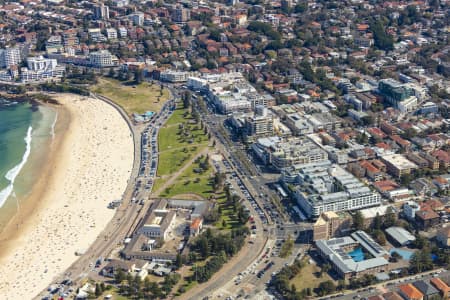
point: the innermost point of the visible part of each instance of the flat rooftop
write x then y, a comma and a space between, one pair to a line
399, 161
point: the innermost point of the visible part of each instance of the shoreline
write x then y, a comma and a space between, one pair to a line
89, 165
33, 202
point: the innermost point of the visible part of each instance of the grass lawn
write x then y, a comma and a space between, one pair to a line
171, 161
179, 140
171, 136
184, 285
191, 182
132, 98
178, 116
309, 277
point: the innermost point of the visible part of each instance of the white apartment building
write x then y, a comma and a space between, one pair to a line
10, 57
322, 186
111, 33
5, 75
174, 76
102, 58
261, 124
40, 68
96, 35
123, 32
285, 153
121, 3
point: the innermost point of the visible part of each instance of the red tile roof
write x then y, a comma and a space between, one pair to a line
411, 292
440, 285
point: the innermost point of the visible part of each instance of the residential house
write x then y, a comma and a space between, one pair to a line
426, 218
115, 265
410, 292
441, 183
443, 288
428, 291
392, 296
443, 236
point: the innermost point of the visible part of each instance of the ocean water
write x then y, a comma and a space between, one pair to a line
25, 135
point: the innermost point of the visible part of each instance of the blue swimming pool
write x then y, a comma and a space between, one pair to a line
406, 255
357, 255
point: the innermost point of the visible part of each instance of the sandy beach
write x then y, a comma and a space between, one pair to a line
90, 164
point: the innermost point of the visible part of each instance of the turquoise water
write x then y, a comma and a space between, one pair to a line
357, 254
24, 134
15, 121
406, 255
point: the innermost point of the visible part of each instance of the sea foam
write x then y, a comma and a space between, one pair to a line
12, 174
53, 125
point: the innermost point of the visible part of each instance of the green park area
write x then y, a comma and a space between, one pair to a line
194, 180
181, 140
310, 277
133, 98
185, 170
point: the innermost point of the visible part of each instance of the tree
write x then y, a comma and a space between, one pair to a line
377, 222
138, 76
358, 220
341, 285
421, 261
119, 276
368, 120
380, 237
111, 73
382, 40
395, 256
325, 269
390, 218
406, 179
325, 288
179, 261
186, 97
98, 291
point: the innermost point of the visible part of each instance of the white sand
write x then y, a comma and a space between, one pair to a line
91, 169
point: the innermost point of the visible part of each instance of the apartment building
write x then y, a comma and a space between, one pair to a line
322, 186
397, 165
102, 58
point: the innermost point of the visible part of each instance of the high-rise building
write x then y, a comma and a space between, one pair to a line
10, 57
181, 14
261, 124
137, 18
101, 12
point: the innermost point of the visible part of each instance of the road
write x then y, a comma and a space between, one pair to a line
128, 213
